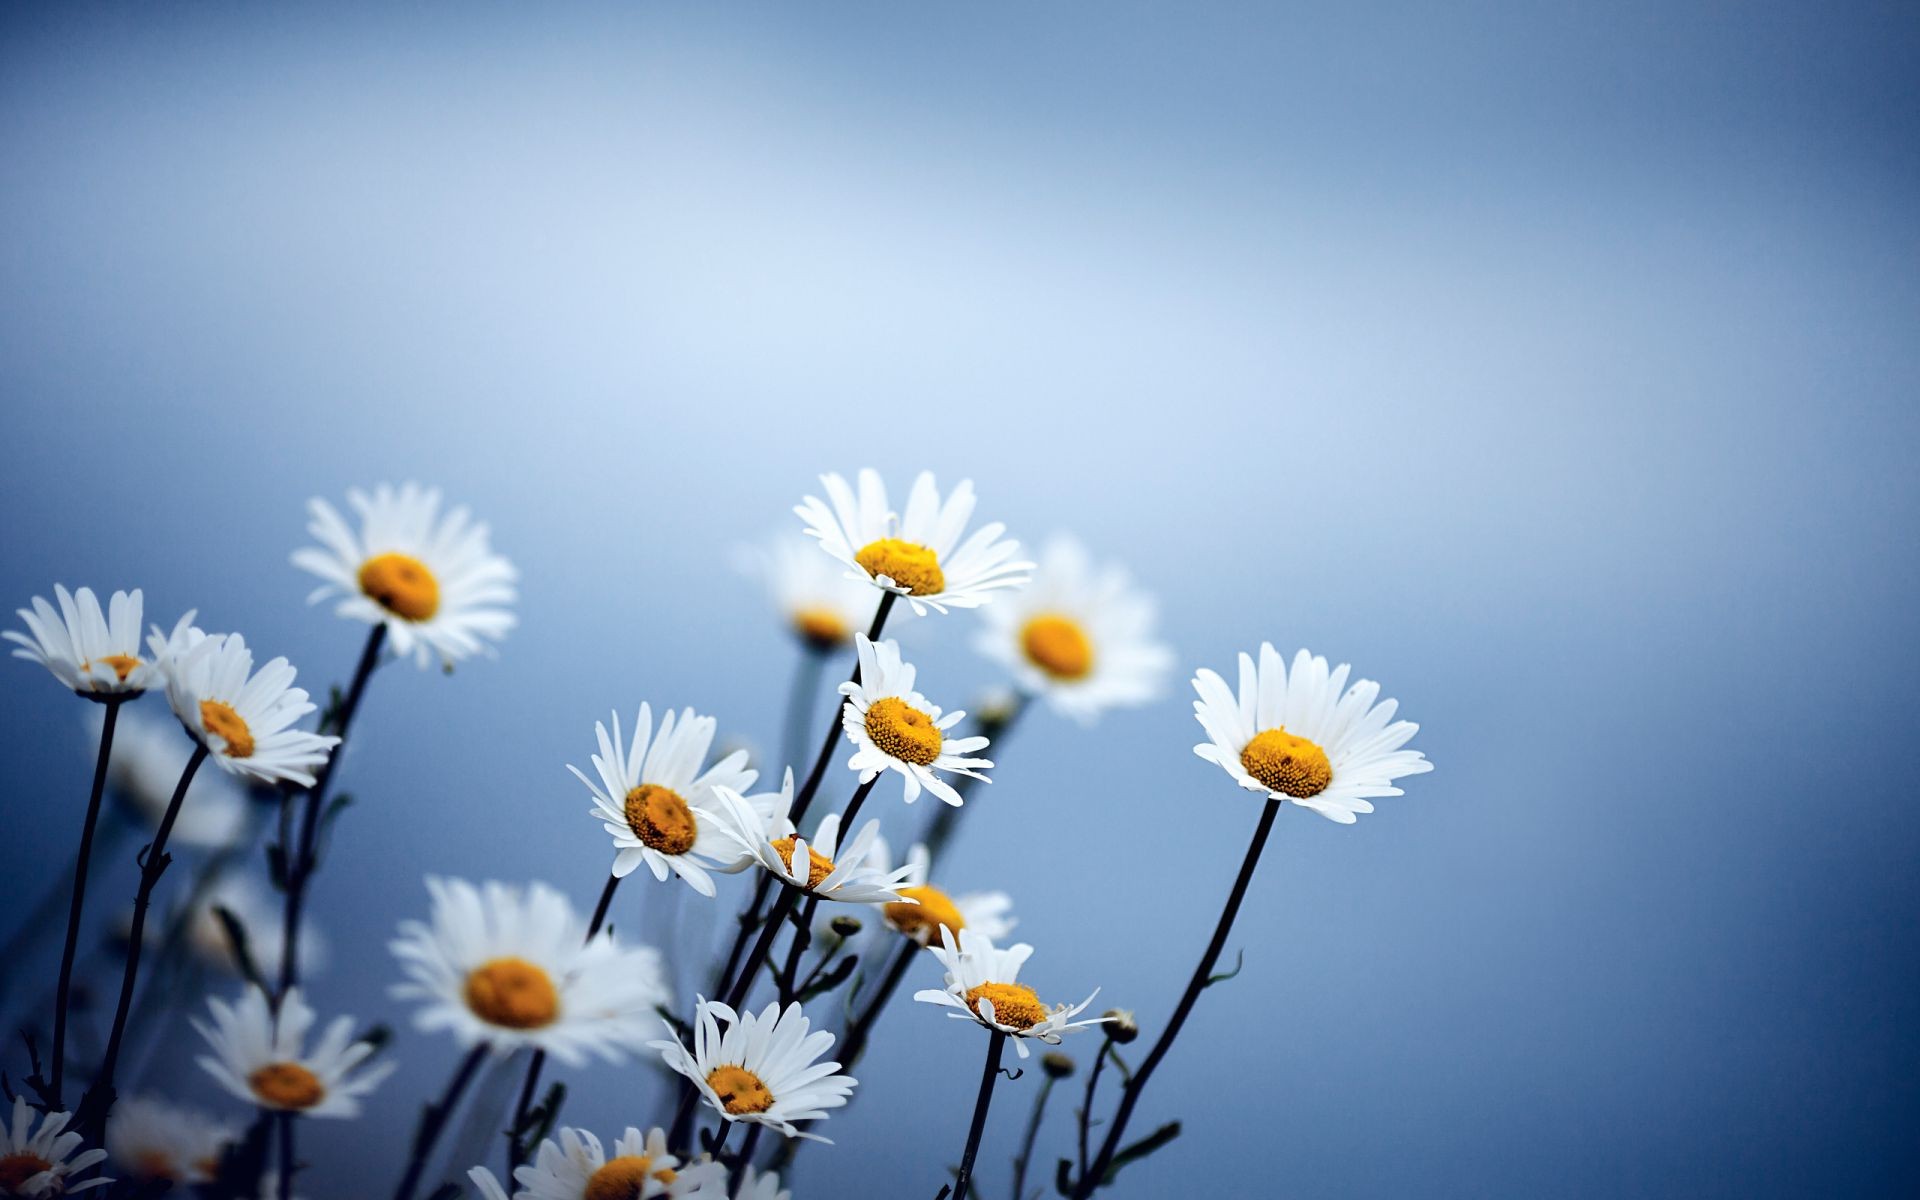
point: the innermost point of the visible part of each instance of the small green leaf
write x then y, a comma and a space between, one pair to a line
1140, 1149
1239, 961
242, 948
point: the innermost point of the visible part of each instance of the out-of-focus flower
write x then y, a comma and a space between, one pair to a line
986, 913
260, 1057
154, 1139
893, 727
983, 983
260, 918
93, 653
148, 756
573, 1165
817, 601
762, 1069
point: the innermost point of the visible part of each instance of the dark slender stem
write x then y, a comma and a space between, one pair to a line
803, 935
861, 1030
995, 1045
300, 863
286, 1156
600, 909
743, 984
1086, 1107
806, 681
720, 1137
64, 991
853, 810
1130, 1095
1026, 1144
434, 1120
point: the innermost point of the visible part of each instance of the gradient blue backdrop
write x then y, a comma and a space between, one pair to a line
1554, 364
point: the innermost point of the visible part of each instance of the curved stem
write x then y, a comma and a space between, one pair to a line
995, 1045
434, 1120
1130, 1095
1026, 1144
63, 994
1086, 1107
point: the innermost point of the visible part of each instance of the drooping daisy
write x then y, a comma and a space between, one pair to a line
851, 878
94, 654
814, 599
153, 1139
986, 913
260, 1057
762, 1069
574, 1166
148, 756
1304, 735
1079, 636
433, 580
895, 728
261, 919
244, 717
983, 983
35, 1163
658, 804
508, 966
918, 554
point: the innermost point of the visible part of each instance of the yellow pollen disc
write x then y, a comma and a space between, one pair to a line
122, 664
1288, 764
16, 1169
512, 992
912, 566
1057, 645
740, 1090
286, 1085
661, 819
922, 921
821, 628
219, 717
622, 1178
401, 584
1014, 1004
902, 731
819, 866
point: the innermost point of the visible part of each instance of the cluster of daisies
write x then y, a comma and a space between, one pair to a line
517, 971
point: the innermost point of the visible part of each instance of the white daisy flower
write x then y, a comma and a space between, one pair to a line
148, 756
762, 1069
658, 804
244, 717
894, 727
261, 918
574, 1166
1079, 636
89, 652
35, 1163
816, 600
983, 983
1299, 736
919, 555
259, 1057
774, 843
434, 581
758, 1186
510, 967
154, 1139
986, 913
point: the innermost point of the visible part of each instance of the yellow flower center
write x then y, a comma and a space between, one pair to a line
819, 866
624, 1178
912, 566
922, 921
1057, 645
286, 1085
514, 993
821, 628
401, 584
158, 1164
16, 1169
739, 1089
122, 664
661, 819
1288, 764
1014, 1004
902, 731
219, 717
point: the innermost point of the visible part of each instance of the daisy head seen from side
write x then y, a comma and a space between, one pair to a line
919, 554
895, 728
41, 1162
983, 983
574, 1165
819, 866
261, 1057
152, 1139
762, 1069
431, 578
243, 717
93, 653
1303, 735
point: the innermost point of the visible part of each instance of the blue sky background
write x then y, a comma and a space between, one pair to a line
1553, 364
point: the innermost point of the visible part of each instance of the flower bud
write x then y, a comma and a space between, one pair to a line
844, 926
1121, 1027
1057, 1065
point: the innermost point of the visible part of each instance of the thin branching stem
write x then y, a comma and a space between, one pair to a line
64, 990
434, 1119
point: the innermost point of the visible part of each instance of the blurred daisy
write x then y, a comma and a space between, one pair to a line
245, 718
576, 1167
816, 601
153, 1139
851, 878
260, 918
92, 653
1304, 735
36, 1163
433, 580
920, 554
1079, 636
762, 1069
983, 983
260, 1057
657, 803
510, 967
986, 913
148, 756
756, 1186
894, 728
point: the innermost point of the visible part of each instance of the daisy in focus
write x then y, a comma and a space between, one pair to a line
988, 914
93, 653
148, 757
36, 1163
918, 554
851, 878
152, 1139
510, 967
432, 579
893, 727
657, 803
815, 600
1304, 735
1079, 636
573, 1165
983, 983
243, 717
261, 1059
762, 1069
